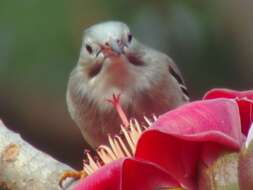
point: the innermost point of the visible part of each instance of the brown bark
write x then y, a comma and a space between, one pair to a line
23, 167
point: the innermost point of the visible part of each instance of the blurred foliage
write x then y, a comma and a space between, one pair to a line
210, 40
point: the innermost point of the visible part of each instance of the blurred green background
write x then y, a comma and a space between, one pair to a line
210, 40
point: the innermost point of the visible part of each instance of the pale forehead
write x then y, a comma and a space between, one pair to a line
103, 32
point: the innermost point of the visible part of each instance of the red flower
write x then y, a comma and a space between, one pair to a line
197, 132
128, 174
244, 100
169, 153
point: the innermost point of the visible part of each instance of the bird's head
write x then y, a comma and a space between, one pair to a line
114, 36
112, 61
109, 52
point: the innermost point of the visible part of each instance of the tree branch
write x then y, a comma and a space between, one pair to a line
23, 167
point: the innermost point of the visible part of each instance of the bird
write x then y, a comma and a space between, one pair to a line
113, 61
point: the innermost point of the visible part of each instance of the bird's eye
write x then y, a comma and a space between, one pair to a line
89, 49
129, 37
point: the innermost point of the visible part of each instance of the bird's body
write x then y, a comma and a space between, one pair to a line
113, 62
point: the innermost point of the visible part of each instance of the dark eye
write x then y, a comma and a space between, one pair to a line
129, 37
89, 49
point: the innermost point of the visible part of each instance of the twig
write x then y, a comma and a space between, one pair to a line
23, 167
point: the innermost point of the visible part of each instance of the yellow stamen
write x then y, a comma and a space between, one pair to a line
104, 157
107, 151
148, 121
128, 139
92, 163
117, 148
154, 118
120, 141
87, 168
135, 132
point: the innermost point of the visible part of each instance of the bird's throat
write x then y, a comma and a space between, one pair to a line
117, 71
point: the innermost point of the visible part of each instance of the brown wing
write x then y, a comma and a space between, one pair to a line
175, 72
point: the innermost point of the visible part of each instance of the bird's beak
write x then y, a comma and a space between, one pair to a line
117, 47
113, 49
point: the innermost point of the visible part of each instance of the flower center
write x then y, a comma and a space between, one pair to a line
120, 146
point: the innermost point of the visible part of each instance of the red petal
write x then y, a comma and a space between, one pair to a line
107, 177
140, 175
175, 141
227, 93
128, 174
246, 112
244, 100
